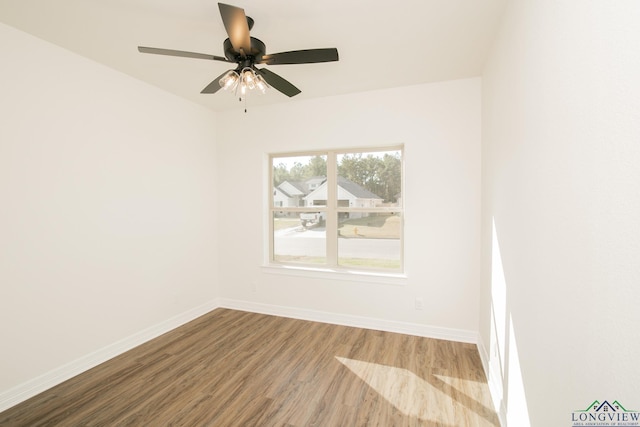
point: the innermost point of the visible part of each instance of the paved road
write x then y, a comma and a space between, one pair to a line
311, 242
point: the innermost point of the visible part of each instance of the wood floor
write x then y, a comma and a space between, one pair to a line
233, 368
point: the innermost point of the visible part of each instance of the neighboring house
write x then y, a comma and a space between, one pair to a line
290, 194
280, 198
293, 191
313, 192
350, 195
314, 182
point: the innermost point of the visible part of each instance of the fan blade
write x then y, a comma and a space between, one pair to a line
214, 86
235, 22
182, 53
278, 82
307, 56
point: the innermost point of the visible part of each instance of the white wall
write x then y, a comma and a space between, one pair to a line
108, 208
561, 182
439, 124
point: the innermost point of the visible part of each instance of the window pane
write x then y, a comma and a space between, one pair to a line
299, 238
369, 240
299, 181
366, 191
370, 179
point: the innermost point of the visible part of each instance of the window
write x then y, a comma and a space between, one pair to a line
337, 209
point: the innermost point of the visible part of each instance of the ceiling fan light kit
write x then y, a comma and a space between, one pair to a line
246, 51
247, 79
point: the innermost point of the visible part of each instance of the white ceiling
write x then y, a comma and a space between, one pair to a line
381, 44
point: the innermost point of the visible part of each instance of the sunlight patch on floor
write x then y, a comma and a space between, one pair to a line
414, 396
473, 387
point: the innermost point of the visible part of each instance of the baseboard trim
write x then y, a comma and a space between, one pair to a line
355, 321
56, 376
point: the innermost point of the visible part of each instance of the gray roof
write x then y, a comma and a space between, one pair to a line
356, 190
348, 185
319, 179
298, 185
282, 191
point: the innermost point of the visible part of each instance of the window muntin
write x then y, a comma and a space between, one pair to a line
342, 209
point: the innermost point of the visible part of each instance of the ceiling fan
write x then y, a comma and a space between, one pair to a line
246, 51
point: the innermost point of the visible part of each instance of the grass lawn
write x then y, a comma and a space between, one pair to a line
372, 227
281, 223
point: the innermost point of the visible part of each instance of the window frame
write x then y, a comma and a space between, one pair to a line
332, 210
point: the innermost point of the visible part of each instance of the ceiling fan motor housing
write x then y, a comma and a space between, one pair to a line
258, 49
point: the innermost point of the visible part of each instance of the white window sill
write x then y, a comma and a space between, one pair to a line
337, 274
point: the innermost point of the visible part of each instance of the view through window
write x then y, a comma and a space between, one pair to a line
337, 209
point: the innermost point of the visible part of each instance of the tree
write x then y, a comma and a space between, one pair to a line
280, 174
391, 176
317, 166
380, 175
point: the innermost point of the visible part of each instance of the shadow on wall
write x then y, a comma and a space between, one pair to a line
505, 375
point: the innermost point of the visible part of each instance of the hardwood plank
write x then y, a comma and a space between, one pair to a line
234, 368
